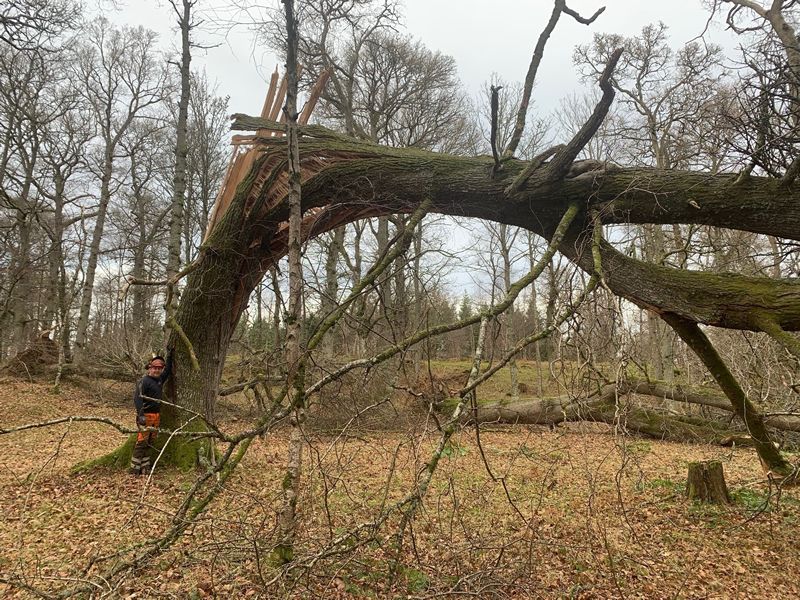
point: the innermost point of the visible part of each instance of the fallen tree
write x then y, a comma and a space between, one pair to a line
345, 179
607, 406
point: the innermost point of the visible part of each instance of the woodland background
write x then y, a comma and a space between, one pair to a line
112, 155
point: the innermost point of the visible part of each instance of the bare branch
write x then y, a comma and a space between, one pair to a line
538, 53
559, 166
495, 90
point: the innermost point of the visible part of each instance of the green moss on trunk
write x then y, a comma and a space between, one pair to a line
117, 459
180, 452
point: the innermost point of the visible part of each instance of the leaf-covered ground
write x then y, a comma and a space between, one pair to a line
527, 513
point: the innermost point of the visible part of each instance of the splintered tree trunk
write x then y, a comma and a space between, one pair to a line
706, 483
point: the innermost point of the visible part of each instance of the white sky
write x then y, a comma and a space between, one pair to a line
483, 36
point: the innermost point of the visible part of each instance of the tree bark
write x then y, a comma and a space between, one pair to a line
706, 483
295, 367
181, 148
551, 411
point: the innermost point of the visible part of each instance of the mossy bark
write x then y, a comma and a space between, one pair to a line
179, 452
745, 410
602, 409
120, 458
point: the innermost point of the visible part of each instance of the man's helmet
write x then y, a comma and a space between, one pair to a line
156, 361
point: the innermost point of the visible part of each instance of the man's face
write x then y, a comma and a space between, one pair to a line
155, 368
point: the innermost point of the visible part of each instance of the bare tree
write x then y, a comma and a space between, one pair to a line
663, 97
121, 80
183, 12
33, 24
206, 160
29, 104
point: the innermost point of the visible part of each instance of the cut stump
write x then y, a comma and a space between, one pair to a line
706, 483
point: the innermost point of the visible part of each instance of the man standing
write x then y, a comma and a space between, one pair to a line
147, 398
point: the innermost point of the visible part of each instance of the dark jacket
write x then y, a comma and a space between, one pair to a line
148, 391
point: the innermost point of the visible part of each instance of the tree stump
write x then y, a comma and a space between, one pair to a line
706, 483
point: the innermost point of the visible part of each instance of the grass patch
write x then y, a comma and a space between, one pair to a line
663, 484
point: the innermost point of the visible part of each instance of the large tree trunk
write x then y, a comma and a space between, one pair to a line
217, 290
21, 281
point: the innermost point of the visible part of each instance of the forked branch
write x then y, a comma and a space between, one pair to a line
538, 53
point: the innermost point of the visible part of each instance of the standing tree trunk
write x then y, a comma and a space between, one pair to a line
295, 370
184, 14
659, 339
334, 243
509, 327
706, 483
418, 316
533, 309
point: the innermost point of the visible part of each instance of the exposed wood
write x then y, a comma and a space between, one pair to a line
270, 97
242, 161
314, 95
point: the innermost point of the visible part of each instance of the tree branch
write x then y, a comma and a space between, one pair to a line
559, 166
495, 102
559, 6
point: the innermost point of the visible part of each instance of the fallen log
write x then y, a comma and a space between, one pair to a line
603, 407
702, 396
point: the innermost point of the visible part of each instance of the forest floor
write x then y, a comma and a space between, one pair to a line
577, 512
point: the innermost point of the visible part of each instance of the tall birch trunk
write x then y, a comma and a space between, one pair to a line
284, 551
181, 148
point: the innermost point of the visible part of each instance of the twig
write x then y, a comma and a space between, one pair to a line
160, 454
534, 337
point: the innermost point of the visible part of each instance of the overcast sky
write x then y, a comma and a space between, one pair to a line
484, 36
